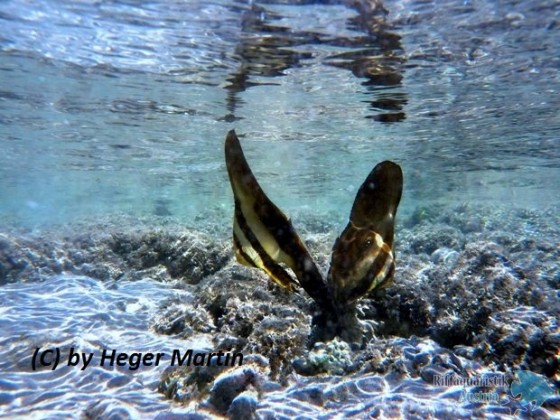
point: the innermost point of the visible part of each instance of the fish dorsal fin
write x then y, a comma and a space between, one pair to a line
263, 236
377, 200
362, 257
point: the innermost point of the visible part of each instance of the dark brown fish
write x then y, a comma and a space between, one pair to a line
263, 236
362, 257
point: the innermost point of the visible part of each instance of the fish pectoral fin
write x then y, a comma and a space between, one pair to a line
280, 276
263, 235
274, 271
244, 255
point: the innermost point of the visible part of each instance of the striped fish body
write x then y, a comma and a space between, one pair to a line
263, 236
362, 257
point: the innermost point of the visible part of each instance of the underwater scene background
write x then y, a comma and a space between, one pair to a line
116, 210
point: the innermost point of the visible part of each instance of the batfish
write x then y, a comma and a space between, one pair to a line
362, 256
263, 236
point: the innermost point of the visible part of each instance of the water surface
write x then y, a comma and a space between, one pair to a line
123, 107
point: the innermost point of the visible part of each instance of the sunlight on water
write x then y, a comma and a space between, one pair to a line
89, 316
134, 119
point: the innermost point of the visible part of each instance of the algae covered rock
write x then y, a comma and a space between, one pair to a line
479, 298
111, 253
219, 389
190, 256
333, 357
522, 337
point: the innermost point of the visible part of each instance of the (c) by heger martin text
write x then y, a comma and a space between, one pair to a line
55, 357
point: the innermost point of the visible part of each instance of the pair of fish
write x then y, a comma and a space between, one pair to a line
362, 256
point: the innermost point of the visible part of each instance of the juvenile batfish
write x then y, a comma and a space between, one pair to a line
263, 236
362, 257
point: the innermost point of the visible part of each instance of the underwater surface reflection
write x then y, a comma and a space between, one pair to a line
463, 95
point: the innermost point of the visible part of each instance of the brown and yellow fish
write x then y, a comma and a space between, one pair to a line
263, 236
362, 257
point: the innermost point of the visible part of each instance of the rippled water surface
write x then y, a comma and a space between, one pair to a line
123, 107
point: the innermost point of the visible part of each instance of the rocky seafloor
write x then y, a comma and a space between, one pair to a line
476, 295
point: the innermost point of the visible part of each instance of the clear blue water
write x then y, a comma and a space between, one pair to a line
123, 107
